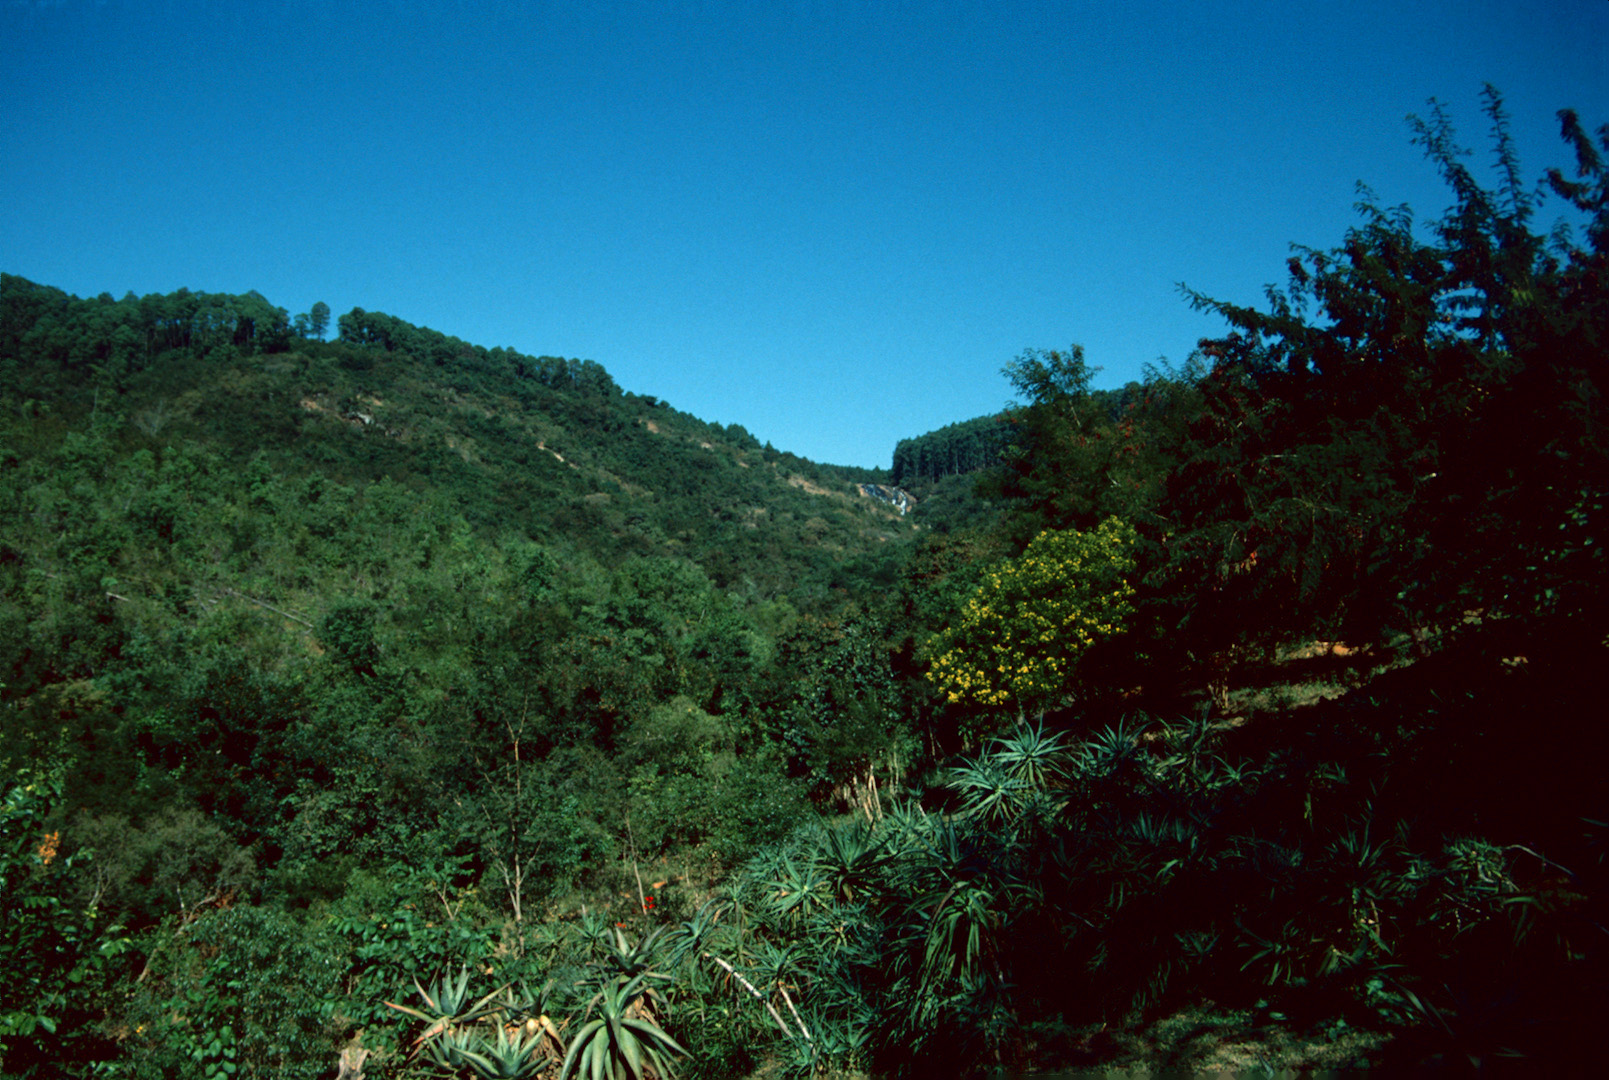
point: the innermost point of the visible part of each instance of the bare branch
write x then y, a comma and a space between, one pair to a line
761, 998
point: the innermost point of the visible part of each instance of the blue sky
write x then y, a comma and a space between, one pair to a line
831, 222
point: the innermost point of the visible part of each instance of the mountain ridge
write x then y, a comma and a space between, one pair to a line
546, 446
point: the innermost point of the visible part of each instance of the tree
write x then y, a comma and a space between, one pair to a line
319, 319
1076, 456
1414, 428
1054, 378
1018, 638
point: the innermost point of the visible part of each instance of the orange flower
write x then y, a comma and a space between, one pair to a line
49, 848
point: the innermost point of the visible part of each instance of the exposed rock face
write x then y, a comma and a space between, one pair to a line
898, 498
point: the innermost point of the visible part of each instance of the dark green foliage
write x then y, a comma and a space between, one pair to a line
537, 445
319, 320
1414, 428
288, 624
1077, 456
1076, 883
847, 728
167, 865
61, 955
347, 634
235, 991
950, 451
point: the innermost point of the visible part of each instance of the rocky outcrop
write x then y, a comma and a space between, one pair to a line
898, 498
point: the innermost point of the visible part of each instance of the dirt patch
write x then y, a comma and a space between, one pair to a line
1205, 1041
800, 482
1322, 648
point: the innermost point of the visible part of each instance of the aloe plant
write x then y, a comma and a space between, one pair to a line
453, 1049
522, 1041
620, 1041
797, 886
450, 1008
593, 931
851, 856
689, 936
515, 1054
990, 792
630, 961
1031, 756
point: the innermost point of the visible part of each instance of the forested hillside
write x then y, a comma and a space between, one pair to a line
973, 445
440, 710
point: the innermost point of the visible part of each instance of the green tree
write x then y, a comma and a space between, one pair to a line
348, 632
1076, 456
1415, 426
319, 319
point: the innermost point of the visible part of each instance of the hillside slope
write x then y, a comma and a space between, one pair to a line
548, 450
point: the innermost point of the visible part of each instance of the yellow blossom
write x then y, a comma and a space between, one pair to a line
1017, 636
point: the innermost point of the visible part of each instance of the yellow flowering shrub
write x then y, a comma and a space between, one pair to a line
1018, 636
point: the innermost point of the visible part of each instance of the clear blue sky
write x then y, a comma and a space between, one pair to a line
830, 222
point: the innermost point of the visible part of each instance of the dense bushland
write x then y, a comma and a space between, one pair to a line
456, 711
